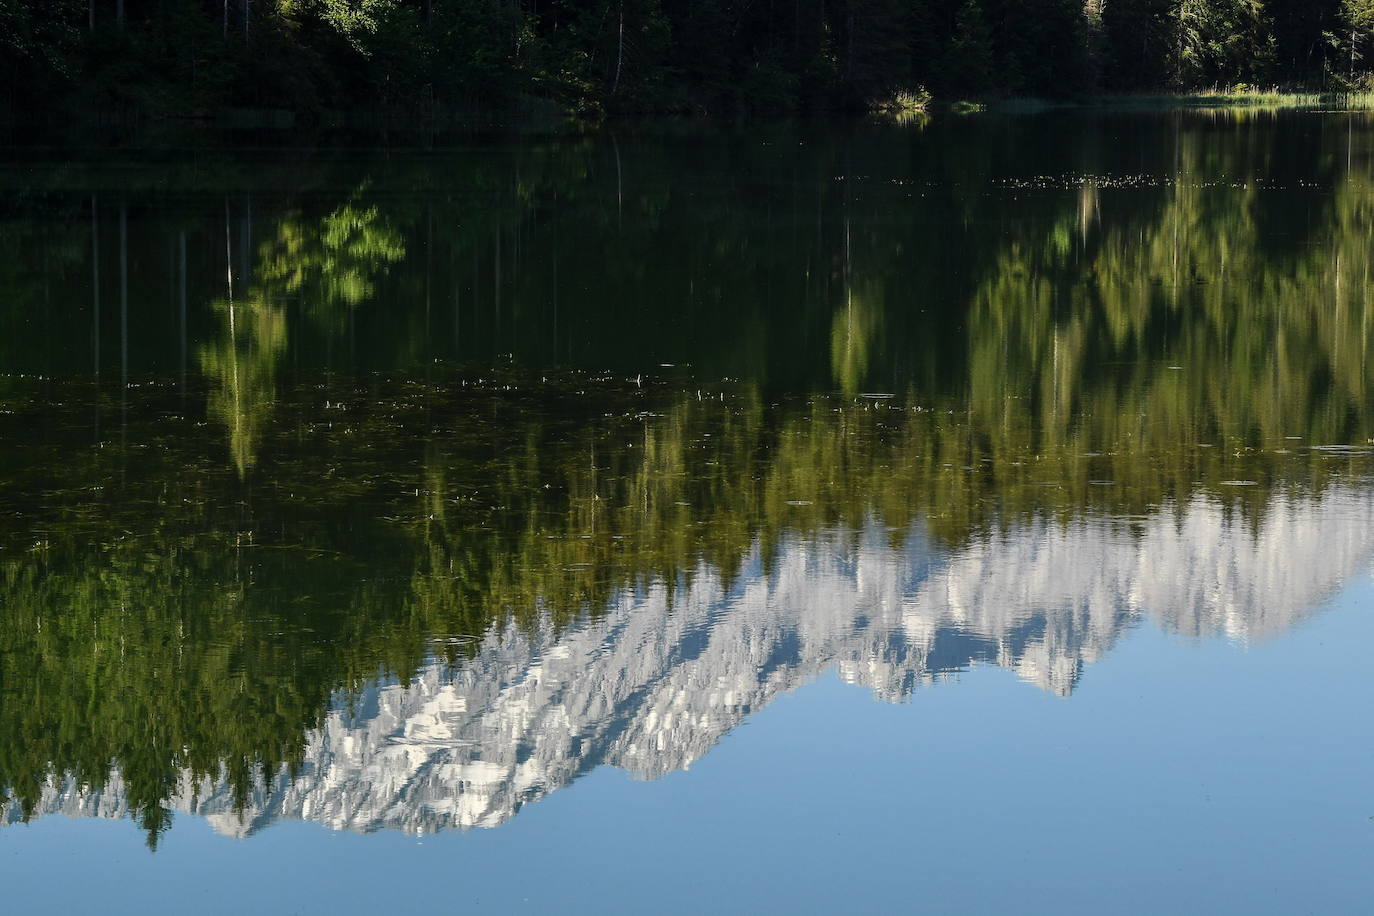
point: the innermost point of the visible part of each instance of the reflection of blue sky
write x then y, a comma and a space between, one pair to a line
1183, 774
652, 682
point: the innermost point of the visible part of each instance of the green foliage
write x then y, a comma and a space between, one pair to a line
876, 56
38, 42
1358, 15
1220, 42
653, 55
968, 63
467, 59
364, 24
1352, 39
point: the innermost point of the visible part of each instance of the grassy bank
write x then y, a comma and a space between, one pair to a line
1214, 99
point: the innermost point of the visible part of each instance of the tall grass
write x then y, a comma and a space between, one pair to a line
1243, 95
903, 104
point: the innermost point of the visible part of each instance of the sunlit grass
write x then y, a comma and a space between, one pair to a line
1243, 95
904, 106
904, 100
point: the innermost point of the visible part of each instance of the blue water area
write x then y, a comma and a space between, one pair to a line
1183, 774
964, 513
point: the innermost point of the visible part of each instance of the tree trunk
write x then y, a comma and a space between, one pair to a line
95, 280
849, 45
123, 295
95, 302
620, 50
619, 186
183, 312
228, 259
1092, 13
429, 284
245, 271
123, 321
496, 292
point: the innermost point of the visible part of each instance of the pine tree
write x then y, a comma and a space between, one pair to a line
876, 54
1357, 17
968, 66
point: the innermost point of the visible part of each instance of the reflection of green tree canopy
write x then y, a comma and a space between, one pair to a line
186, 622
1185, 326
332, 264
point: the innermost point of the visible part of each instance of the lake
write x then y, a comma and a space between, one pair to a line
967, 513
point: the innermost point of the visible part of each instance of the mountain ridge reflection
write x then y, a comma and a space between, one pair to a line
653, 682
300, 451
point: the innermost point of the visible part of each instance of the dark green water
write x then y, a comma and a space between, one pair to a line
398, 488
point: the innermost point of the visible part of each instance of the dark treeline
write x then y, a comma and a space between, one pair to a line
719, 56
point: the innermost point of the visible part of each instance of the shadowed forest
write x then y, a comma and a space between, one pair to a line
192, 57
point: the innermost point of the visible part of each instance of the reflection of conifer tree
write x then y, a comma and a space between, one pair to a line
853, 337
242, 364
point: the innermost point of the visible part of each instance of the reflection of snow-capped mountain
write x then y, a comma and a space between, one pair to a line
655, 681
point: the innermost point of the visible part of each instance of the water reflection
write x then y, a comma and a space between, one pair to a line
547, 588
655, 679
498, 468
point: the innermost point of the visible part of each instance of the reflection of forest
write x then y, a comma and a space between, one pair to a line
1063, 351
655, 679
164, 614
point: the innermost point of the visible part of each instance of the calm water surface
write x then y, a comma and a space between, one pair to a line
976, 513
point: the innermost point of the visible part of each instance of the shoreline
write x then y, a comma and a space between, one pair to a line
540, 116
